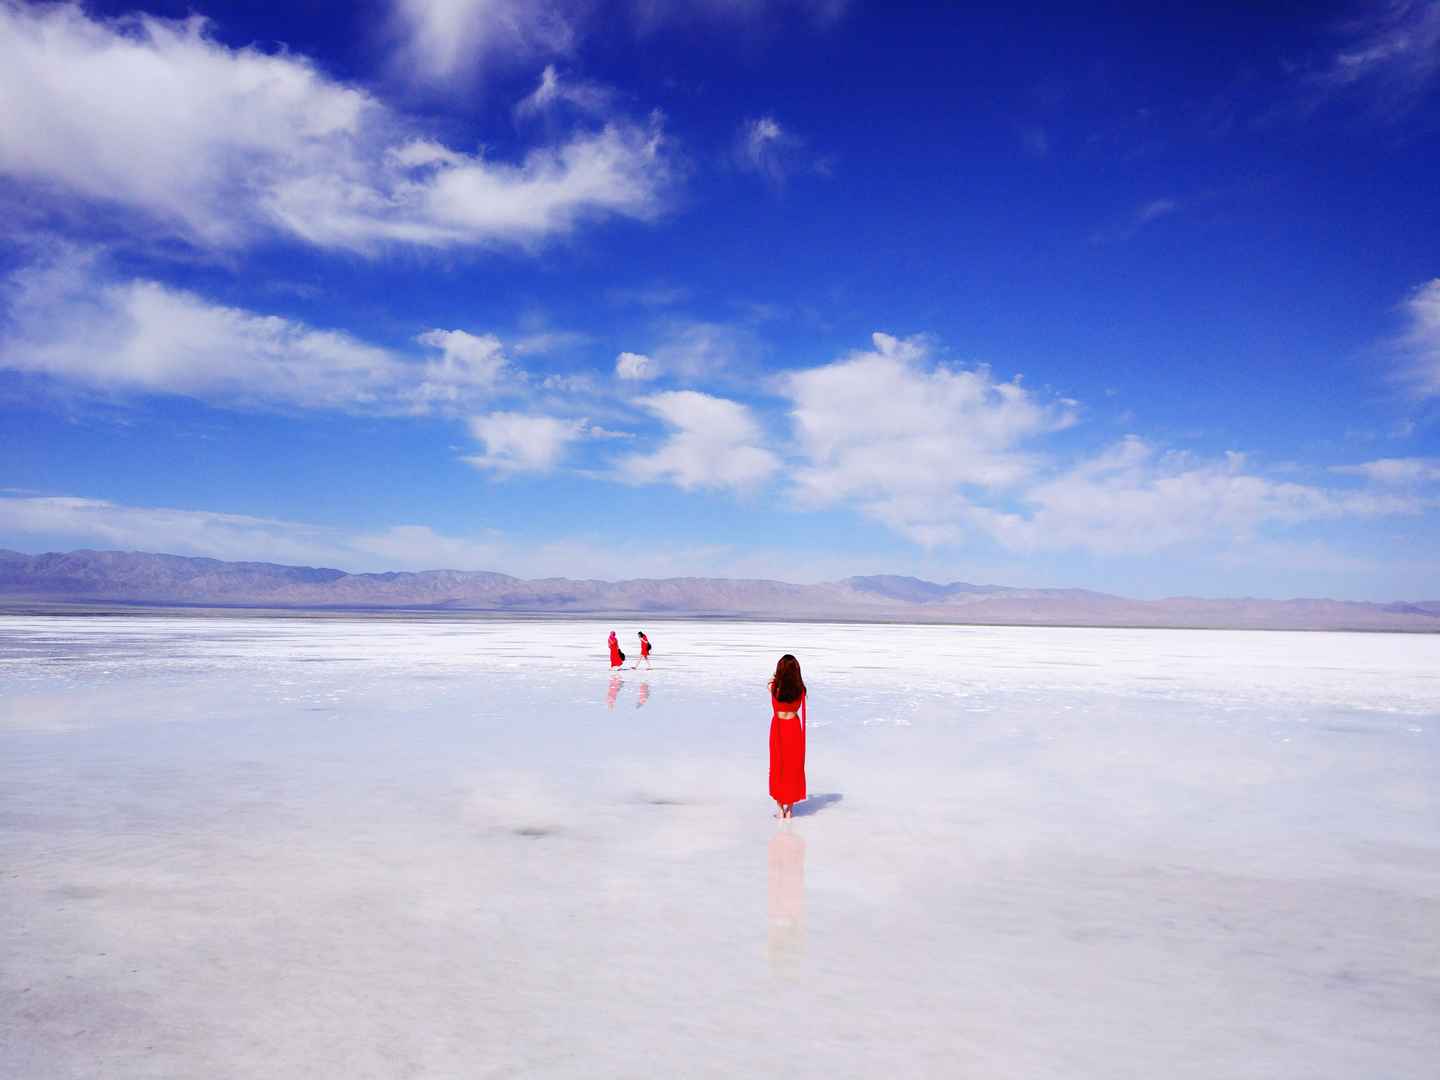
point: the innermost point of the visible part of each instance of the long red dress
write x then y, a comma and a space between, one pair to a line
787, 750
616, 656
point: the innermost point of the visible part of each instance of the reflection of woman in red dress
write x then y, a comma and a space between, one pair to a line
787, 901
787, 735
616, 656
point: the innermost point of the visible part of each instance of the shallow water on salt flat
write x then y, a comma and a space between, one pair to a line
443, 847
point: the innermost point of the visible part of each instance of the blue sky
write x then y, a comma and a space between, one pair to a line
1142, 301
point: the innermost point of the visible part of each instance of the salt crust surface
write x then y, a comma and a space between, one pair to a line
295, 848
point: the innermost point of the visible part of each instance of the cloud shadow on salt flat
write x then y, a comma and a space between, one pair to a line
815, 803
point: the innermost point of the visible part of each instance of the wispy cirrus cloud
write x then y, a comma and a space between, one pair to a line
1419, 346
1391, 51
1139, 218
102, 523
1134, 498
655, 295
1154, 210
652, 15
555, 91
1396, 472
224, 147
701, 349
764, 147
1034, 140
437, 42
545, 342
775, 152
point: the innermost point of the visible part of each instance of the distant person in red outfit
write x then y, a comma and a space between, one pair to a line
644, 650
617, 658
787, 735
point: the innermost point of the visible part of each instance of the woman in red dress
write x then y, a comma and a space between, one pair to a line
787, 735
617, 658
644, 650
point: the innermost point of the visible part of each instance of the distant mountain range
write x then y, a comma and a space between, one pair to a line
138, 578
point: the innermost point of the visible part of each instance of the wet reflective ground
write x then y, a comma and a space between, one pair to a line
436, 848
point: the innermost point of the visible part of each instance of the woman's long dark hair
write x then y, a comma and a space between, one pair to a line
789, 686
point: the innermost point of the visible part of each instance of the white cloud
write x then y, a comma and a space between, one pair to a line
1421, 343
714, 444
941, 455
68, 321
470, 366
466, 200
222, 146
629, 365
438, 42
1133, 498
898, 434
446, 40
521, 442
1395, 471
150, 113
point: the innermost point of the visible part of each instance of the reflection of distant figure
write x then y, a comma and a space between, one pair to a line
787, 902
643, 696
616, 682
616, 656
787, 735
644, 650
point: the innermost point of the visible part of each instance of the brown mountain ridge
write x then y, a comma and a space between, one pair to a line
142, 578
